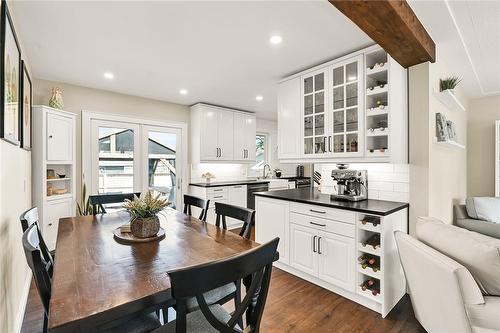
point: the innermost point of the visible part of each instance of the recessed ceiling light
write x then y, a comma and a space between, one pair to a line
183, 92
259, 98
276, 39
109, 75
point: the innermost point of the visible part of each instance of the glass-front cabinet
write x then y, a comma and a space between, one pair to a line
346, 108
332, 110
314, 113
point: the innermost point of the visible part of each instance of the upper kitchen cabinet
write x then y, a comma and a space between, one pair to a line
351, 109
289, 119
60, 131
221, 134
244, 137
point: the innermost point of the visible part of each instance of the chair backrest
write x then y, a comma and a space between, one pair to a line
191, 200
37, 264
239, 213
195, 281
98, 201
29, 218
439, 286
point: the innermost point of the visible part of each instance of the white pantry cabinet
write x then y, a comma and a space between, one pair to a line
53, 154
289, 119
221, 134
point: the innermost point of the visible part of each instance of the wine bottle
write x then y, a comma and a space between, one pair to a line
367, 284
365, 258
375, 292
373, 241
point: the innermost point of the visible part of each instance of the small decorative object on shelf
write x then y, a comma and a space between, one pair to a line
144, 210
208, 176
449, 83
442, 133
50, 190
61, 175
373, 241
51, 174
277, 172
56, 101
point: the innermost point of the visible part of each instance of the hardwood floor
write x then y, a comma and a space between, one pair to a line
295, 305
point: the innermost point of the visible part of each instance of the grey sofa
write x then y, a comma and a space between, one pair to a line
463, 220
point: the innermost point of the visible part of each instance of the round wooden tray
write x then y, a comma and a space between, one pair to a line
127, 237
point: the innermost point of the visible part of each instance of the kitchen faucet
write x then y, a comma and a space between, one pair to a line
264, 170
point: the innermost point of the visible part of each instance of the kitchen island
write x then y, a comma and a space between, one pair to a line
345, 247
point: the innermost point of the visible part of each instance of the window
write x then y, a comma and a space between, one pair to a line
260, 151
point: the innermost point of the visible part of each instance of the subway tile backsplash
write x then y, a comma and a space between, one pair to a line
385, 181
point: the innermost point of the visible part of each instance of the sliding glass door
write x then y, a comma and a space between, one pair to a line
131, 157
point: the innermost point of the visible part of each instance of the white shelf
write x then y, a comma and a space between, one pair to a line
377, 153
448, 99
376, 90
377, 132
59, 196
367, 293
368, 271
449, 143
376, 112
369, 249
377, 69
369, 227
57, 179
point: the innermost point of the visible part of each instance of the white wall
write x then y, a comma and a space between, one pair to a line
15, 197
481, 145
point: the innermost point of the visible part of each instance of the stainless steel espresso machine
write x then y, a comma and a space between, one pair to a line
350, 185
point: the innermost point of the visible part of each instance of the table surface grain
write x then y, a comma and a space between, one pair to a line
97, 280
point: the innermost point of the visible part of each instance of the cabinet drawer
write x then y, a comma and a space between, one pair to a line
324, 212
216, 191
339, 228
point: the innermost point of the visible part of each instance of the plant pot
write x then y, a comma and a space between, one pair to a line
145, 227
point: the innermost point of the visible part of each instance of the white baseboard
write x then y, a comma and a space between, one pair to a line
23, 302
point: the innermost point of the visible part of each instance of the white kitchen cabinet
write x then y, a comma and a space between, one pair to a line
336, 260
289, 119
221, 134
59, 137
53, 152
271, 221
303, 249
237, 195
244, 137
351, 109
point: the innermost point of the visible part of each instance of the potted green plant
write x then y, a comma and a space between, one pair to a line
449, 83
144, 212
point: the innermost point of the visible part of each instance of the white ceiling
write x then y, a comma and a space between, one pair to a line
467, 35
218, 51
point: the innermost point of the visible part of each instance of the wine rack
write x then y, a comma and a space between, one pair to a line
370, 259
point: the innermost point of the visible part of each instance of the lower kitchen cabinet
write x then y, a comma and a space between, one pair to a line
55, 209
271, 221
336, 256
303, 249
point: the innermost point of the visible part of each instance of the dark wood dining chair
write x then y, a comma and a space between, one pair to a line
43, 281
196, 281
29, 218
247, 216
99, 200
191, 200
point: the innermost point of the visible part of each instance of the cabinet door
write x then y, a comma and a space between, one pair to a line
240, 137
56, 209
250, 132
337, 260
225, 136
271, 221
315, 118
209, 129
237, 195
302, 249
289, 119
59, 138
346, 108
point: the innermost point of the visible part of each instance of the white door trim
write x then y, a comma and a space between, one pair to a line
88, 116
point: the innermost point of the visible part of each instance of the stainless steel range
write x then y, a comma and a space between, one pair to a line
350, 185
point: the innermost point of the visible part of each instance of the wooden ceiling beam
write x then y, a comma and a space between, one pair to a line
394, 26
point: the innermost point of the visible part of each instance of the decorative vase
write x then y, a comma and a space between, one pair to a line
56, 101
145, 227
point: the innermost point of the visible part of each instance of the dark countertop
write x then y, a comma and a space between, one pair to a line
230, 183
314, 197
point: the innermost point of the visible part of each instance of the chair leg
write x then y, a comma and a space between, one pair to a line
164, 311
45, 323
237, 302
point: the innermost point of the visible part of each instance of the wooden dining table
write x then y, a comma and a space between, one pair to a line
98, 280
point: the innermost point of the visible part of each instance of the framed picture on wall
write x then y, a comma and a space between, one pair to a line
26, 108
10, 72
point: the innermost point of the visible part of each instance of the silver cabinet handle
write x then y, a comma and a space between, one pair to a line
219, 197
314, 243
318, 224
220, 152
218, 189
317, 211
236, 186
330, 143
319, 246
